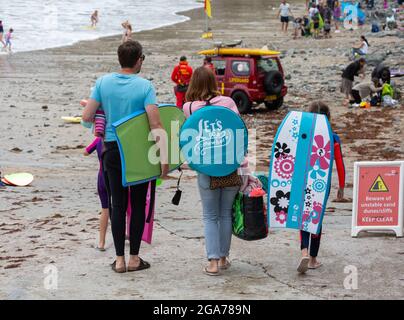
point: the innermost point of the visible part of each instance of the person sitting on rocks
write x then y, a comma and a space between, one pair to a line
361, 49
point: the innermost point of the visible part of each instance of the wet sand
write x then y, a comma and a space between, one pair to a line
54, 221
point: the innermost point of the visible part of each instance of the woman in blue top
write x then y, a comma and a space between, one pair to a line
119, 95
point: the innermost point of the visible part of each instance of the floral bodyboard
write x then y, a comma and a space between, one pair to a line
300, 172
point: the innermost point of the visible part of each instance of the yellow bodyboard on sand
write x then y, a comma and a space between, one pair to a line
71, 119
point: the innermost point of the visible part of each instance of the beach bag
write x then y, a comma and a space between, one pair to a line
249, 218
374, 100
387, 90
375, 28
388, 101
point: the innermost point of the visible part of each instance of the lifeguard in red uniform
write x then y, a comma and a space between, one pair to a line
181, 75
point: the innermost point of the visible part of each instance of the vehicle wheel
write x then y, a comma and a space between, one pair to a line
274, 105
242, 101
273, 82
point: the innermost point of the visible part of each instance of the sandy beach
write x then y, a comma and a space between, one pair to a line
54, 222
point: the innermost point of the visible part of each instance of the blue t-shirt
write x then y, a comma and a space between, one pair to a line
121, 95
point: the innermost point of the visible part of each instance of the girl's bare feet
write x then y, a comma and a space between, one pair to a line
314, 264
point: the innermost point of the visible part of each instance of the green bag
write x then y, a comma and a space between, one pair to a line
238, 216
249, 218
387, 90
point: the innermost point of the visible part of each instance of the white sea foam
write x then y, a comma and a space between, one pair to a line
53, 23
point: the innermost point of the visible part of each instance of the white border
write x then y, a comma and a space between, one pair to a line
398, 229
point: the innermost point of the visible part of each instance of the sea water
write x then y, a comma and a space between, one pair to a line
53, 23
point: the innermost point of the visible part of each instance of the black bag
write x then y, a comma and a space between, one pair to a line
249, 218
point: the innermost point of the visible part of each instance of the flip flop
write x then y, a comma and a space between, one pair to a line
318, 265
209, 273
100, 249
117, 270
303, 265
226, 266
142, 266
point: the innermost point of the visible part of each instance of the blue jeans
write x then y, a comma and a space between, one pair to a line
358, 51
217, 217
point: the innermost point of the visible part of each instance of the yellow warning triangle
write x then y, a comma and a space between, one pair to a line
379, 185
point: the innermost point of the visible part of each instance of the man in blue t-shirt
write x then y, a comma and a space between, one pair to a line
119, 95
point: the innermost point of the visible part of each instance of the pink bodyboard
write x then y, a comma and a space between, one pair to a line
149, 214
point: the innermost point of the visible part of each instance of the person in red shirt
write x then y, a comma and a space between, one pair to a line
207, 63
181, 75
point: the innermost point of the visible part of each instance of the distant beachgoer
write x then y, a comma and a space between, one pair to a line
127, 35
382, 73
207, 63
355, 68
327, 29
306, 26
284, 13
337, 15
297, 27
2, 33
8, 39
310, 243
316, 26
321, 9
362, 47
313, 11
217, 203
364, 89
94, 19
327, 13
97, 145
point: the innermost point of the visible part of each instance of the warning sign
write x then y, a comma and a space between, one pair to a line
377, 204
379, 185
378, 197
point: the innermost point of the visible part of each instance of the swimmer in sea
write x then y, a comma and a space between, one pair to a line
94, 19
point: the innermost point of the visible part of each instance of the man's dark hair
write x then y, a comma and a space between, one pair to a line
183, 58
129, 53
362, 60
209, 59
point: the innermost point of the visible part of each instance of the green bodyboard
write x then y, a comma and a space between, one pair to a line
135, 144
